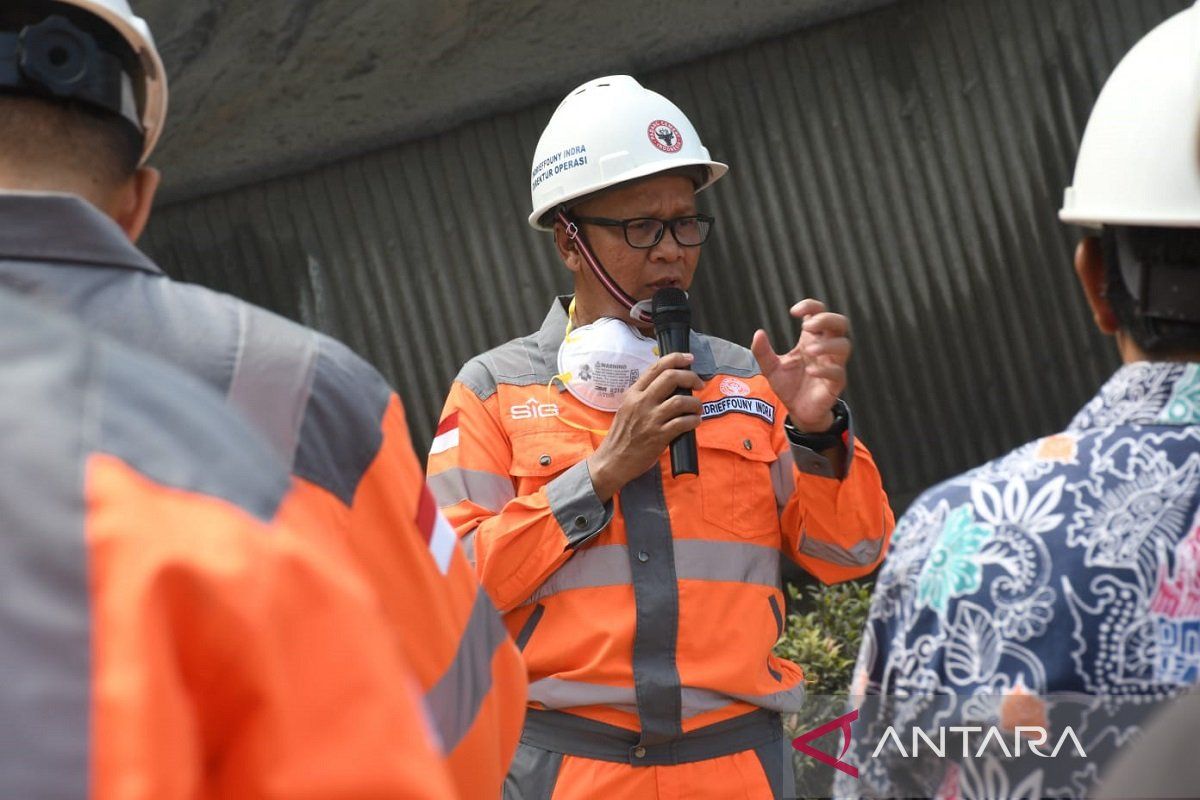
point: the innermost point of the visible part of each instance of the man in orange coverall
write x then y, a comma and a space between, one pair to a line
647, 605
74, 194
163, 634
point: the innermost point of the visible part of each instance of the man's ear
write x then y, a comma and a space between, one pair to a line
1093, 278
132, 202
568, 251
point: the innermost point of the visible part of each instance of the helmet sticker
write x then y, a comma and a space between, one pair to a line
665, 136
560, 162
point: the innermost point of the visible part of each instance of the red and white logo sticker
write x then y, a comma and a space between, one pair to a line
446, 436
665, 136
732, 387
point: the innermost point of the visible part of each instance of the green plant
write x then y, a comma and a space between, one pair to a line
825, 625
823, 633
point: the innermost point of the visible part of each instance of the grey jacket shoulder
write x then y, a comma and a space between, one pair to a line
91, 394
180, 433
316, 402
716, 356
518, 362
522, 361
319, 404
341, 431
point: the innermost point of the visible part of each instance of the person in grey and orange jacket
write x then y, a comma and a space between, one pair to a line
647, 605
75, 193
168, 629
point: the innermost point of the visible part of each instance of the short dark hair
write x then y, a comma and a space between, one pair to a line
1154, 250
71, 134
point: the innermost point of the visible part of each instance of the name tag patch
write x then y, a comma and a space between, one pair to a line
739, 405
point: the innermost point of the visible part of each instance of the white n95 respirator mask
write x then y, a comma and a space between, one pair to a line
599, 362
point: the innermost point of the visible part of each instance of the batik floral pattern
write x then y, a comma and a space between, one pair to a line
953, 565
1183, 407
1065, 566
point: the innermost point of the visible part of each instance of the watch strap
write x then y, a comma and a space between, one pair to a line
822, 440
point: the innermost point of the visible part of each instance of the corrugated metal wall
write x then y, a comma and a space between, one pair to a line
905, 165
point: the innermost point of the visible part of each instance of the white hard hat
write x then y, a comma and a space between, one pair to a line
1139, 161
605, 132
151, 96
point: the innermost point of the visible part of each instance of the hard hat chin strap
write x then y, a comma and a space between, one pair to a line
636, 310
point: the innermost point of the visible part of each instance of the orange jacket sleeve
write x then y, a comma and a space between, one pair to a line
836, 527
234, 659
517, 541
471, 673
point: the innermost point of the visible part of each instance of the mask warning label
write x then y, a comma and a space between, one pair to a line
608, 380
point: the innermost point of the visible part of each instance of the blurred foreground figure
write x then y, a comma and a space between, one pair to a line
1162, 762
165, 634
1072, 565
82, 101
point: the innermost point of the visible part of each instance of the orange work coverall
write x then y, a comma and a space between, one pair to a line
647, 624
340, 427
165, 631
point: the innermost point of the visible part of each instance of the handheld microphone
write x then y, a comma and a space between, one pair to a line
672, 327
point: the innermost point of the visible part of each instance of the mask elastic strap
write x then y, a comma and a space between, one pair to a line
568, 422
570, 320
606, 280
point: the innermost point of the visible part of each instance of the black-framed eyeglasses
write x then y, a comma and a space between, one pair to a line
645, 232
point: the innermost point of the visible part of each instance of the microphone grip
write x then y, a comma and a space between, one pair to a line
684, 460
683, 454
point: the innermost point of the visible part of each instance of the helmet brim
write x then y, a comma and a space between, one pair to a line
542, 218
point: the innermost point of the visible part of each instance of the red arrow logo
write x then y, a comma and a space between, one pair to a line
801, 743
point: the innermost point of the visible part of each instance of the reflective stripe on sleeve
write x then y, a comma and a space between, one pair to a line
484, 489
783, 479
468, 546
439, 534
860, 555
455, 700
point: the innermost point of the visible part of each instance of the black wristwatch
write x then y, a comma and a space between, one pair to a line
825, 439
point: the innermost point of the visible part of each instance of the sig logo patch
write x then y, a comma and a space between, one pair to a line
751, 406
665, 136
532, 409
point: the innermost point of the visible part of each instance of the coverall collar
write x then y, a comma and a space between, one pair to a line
64, 228
554, 327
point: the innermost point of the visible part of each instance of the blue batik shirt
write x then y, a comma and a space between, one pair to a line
1071, 564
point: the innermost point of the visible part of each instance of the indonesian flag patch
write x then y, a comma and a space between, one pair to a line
446, 436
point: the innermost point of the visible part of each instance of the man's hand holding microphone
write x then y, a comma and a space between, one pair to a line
650, 416
659, 410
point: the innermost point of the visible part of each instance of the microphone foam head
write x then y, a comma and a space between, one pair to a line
670, 304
